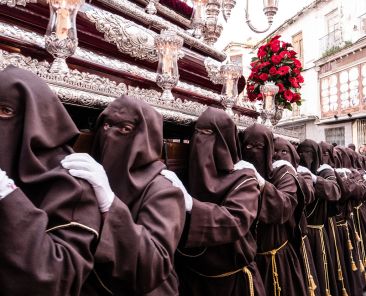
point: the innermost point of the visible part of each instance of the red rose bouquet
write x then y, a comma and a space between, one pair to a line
276, 62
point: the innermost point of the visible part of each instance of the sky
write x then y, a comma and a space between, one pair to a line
237, 30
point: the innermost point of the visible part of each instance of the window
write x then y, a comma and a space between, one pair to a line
333, 38
297, 43
335, 135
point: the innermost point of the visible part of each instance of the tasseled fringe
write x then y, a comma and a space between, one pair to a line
312, 286
344, 292
350, 247
327, 292
362, 268
354, 267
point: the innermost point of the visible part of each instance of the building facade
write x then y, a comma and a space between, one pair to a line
330, 38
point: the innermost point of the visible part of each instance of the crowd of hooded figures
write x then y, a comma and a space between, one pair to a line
256, 216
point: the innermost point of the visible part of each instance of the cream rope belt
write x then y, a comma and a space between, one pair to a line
311, 284
344, 224
244, 269
363, 259
320, 228
276, 282
340, 273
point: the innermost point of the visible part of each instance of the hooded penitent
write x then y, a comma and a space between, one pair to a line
214, 151
310, 155
344, 157
286, 151
128, 144
328, 154
257, 148
146, 219
35, 133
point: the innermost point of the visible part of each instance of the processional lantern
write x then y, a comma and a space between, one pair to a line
168, 45
268, 110
61, 36
230, 74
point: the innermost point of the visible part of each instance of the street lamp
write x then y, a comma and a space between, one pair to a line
270, 8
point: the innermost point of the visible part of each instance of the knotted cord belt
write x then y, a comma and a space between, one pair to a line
340, 273
245, 270
276, 282
363, 259
311, 284
325, 261
349, 242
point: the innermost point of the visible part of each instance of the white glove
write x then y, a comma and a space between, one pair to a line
241, 164
280, 163
364, 177
83, 166
303, 170
342, 172
7, 185
323, 167
172, 177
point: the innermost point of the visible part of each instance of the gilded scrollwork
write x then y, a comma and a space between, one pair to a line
129, 37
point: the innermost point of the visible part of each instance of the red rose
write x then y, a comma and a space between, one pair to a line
263, 77
300, 79
255, 70
250, 88
253, 64
283, 70
275, 38
264, 64
288, 94
297, 63
284, 54
296, 71
296, 97
276, 59
285, 45
273, 71
275, 45
294, 82
281, 88
292, 53
262, 52
259, 97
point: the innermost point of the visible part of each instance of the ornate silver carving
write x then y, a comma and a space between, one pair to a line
169, 12
157, 22
74, 79
13, 3
213, 70
60, 49
151, 7
227, 6
129, 37
112, 63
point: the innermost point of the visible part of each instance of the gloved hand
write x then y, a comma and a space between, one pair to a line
83, 166
303, 170
279, 163
323, 167
342, 172
364, 177
7, 185
172, 177
241, 164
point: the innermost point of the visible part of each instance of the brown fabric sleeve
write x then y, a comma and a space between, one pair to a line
137, 256
37, 261
213, 224
279, 199
326, 186
307, 186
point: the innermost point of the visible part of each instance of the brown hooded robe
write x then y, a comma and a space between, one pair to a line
326, 190
286, 151
276, 258
49, 225
219, 249
143, 226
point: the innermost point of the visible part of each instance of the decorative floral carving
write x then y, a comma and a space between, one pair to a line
213, 70
13, 3
159, 23
129, 37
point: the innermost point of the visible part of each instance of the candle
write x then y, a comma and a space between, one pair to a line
63, 23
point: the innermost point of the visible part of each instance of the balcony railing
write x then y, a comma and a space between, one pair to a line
331, 41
